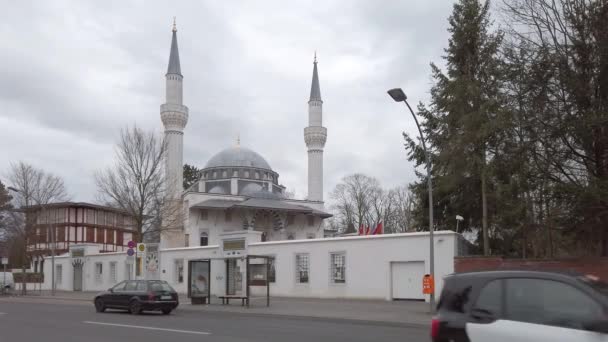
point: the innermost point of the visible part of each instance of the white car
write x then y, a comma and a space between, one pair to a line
521, 306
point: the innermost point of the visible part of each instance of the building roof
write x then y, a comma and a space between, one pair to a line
315, 90
215, 204
75, 204
174, 67
263, 203
238, 156
260, 204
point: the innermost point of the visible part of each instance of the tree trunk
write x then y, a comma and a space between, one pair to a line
484, 209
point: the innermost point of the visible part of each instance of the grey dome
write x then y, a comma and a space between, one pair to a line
238, 156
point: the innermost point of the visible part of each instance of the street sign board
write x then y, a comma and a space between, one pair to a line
428, 284
130, 252
141, 247
131, 244
4, 261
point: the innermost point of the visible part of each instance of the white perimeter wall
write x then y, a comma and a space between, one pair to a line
368, 260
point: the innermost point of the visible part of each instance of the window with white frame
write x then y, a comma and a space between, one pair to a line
204, 239
338, 268
302, 268
228, 215
98, 271
113, 272
58, 274
179, 271
310, 220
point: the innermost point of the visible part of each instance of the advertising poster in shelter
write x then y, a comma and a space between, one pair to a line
199, 278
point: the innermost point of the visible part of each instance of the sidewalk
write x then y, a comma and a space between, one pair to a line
379, 311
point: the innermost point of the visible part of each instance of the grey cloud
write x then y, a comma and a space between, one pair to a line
79, 71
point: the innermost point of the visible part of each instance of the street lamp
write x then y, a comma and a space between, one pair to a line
43, 209
399, 96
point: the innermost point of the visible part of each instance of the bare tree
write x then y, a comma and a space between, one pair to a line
400, 217
34, 189
137, 184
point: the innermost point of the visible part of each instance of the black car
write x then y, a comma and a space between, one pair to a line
510, 306
137, 296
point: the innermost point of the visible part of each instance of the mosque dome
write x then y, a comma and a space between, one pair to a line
238, 156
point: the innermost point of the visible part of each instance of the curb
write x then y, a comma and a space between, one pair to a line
210, 310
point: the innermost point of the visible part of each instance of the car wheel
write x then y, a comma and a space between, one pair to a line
166, 311
100, 305
135, 307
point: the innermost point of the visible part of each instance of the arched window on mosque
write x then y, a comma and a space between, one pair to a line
246, 173
235, 173
257, 175
214, 174
225, 174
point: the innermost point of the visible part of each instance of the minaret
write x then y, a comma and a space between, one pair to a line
175, 117
315, 136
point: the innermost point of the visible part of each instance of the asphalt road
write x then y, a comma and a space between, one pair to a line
60, 321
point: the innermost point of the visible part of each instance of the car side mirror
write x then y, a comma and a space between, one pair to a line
598, 326
483, 315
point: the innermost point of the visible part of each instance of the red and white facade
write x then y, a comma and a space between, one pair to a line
76, 223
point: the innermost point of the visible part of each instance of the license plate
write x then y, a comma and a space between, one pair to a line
166, 297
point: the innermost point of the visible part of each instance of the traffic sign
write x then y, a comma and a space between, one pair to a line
428, 284
4, 261
130, 252
131, 244
141, 247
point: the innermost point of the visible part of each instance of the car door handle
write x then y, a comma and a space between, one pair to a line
483, 315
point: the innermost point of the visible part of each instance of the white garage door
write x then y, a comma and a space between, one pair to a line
407, 279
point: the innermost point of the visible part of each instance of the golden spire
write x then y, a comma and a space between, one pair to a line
315, 56
174, 26
238, 140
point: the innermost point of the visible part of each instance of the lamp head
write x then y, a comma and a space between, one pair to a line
397, 94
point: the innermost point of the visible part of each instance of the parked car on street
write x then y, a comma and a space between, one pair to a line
513, 306
137, 296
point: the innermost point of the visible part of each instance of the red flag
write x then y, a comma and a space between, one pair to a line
361, 230
367, 230
378, 229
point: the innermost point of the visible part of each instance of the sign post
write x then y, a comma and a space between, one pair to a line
132, 254
428, 284
139, 258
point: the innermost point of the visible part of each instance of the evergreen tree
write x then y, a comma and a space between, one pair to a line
191, 175
462, 121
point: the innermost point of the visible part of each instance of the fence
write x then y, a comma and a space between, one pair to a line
589, 265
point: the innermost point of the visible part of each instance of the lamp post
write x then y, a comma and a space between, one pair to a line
43, 210
399, 96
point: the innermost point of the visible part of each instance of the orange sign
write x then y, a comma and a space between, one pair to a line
428, 284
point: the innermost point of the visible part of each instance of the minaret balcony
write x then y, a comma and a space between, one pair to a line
315, 136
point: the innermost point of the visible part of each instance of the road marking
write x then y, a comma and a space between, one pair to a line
149, 328
3, 313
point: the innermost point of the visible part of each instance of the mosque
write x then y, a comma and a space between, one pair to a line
241, 236
238, 188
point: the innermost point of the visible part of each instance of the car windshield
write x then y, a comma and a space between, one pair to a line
160, 286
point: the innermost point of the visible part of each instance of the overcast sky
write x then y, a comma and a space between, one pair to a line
75, 72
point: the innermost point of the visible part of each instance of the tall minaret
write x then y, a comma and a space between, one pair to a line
315, 136
175, 117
